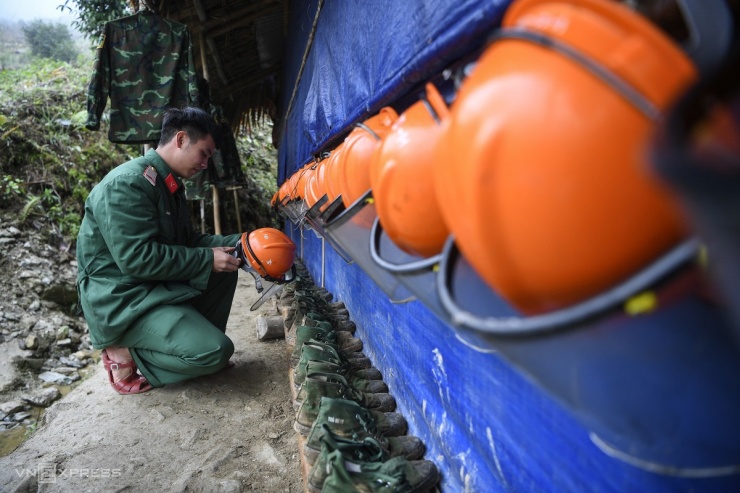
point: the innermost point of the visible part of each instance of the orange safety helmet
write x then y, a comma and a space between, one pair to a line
293, 185
268, 252
303, 175
312, 193
284, 192
359, 147
333, 169
542, 176
402, 178
320, 186
321, 175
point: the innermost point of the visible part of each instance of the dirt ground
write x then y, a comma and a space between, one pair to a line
229, 432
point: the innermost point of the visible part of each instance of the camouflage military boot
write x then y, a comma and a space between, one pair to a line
343, 340
345, 465
368, 380
333, 385
346, 325
306, 299
334, 309
348, 420
313, 319
319, 351
331, 312
378, 388
388, 424
320, 295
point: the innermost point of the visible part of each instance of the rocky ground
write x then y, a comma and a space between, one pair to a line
44, 346
62, 428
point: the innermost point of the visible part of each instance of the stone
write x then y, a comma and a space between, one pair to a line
81, 355
12, 357
31, 342
58, 378
11, 407
64, 342
66, 370
43, 326
33, 364
43, 397
73, 362
62, 332
20, 416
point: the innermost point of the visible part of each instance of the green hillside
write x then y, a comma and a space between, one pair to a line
49, 162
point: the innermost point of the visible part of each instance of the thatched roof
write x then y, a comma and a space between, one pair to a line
238, 47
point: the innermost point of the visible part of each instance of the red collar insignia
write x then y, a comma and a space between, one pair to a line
171, 183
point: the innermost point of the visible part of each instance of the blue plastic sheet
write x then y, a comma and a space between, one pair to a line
366, 55
489, 426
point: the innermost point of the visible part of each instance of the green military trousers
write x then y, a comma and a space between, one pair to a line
171, 343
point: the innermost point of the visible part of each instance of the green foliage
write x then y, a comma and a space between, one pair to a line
31, 429
50, 40
93, 14
12, 191
259, 160
49, 161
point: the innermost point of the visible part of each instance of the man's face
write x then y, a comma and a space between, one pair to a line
192, 157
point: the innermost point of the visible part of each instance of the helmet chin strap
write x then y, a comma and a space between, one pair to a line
247, 267
273, 289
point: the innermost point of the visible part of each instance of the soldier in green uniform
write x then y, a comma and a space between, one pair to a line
155, 294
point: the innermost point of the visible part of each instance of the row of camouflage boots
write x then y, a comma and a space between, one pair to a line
354, 440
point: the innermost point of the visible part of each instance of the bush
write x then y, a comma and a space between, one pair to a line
50, 40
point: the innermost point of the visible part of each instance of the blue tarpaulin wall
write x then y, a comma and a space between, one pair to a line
363, 56
486, 425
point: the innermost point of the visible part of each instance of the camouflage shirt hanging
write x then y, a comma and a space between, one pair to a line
144, 62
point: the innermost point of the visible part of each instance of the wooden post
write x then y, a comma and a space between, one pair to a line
202, 216
216, 211
270, 327
236, 208
214, 189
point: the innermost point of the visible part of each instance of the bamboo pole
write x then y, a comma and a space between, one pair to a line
238, 214
214, 189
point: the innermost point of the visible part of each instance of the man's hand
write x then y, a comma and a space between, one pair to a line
223, 261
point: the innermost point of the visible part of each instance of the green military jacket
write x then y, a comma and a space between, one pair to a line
137, 249
144, 62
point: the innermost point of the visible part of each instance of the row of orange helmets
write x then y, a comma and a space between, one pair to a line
538, 167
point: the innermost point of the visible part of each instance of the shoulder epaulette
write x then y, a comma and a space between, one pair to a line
151, 175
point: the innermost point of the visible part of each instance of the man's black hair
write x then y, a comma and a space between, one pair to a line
196, 122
